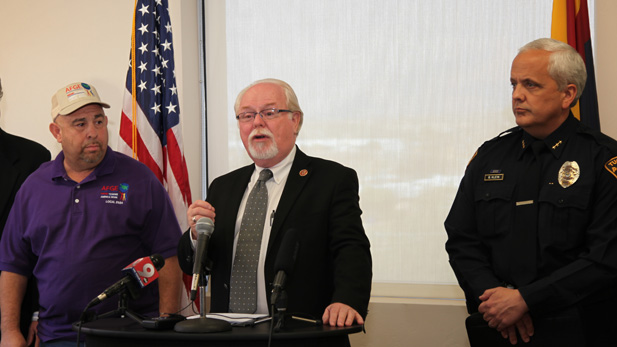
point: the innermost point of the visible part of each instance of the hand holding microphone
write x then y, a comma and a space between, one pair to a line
197, 210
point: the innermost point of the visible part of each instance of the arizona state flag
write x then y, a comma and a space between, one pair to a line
571, 25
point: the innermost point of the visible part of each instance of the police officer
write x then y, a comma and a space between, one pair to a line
532, 232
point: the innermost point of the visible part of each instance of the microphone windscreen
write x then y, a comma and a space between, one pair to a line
205, 226
288, 251
157, 261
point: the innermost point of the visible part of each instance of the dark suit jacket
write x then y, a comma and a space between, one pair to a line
320, 199
19, 157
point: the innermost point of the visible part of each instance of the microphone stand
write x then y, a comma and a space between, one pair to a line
282, 317
202, 324
122, 310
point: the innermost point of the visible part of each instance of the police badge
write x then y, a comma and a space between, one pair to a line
568, 173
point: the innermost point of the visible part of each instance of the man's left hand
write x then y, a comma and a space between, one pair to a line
338, 314
502, 307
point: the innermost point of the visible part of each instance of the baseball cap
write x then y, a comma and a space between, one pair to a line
73, 96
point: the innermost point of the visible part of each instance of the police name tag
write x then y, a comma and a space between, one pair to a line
493, 177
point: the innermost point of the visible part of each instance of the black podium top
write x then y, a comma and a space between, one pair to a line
120, 332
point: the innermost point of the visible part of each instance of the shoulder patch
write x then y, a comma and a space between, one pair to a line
611, 166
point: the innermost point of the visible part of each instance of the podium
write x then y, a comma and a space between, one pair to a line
121, 332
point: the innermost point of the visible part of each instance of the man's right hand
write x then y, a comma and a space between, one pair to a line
197, 210
524, 327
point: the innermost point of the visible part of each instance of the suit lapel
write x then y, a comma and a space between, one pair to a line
299, 174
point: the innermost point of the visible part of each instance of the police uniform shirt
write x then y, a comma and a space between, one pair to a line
575, 252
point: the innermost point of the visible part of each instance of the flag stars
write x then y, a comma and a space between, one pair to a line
156, 108
143, 28
157, 70
156, 89
166, 45
143, 48
143, 66
168, 27
164, 63
171, 108
173, 90
142, 86
144, 9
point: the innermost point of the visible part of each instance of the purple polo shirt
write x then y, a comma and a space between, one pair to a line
75, 238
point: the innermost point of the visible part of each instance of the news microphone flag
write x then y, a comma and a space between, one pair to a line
150, 129
143, 270
570, 24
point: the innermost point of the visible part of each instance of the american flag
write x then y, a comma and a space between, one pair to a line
150, 128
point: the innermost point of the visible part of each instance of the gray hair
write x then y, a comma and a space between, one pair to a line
565, 65
291, 102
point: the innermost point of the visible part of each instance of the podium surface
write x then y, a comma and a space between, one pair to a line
120, 332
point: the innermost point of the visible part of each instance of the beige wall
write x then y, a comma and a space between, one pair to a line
606, 64
45, 45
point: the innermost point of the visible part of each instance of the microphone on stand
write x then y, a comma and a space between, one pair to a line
204, 228
285, 261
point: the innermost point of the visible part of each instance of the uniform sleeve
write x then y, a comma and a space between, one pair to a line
469, 257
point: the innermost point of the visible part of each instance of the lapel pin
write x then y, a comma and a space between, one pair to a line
303, 172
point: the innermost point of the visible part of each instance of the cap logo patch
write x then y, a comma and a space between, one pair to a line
77, 91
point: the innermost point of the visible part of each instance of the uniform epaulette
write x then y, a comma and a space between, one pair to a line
600, 138
503, 134
510, 131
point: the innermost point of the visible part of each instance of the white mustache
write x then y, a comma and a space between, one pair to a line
260, 132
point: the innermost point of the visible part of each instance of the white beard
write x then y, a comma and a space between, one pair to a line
262, 151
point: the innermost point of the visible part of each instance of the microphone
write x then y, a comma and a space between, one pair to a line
143, 271
205, 228
285, 261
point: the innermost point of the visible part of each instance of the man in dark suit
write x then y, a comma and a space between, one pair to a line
19, 157
331, 278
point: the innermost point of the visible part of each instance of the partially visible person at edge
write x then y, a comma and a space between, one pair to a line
331, 279
19, 157
78, 220
537, 257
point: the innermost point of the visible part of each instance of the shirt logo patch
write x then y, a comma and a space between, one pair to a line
611, 166
114, 194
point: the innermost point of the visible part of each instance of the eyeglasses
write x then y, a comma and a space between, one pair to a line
266, 114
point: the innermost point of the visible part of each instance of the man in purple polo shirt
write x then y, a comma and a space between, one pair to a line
78, 220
